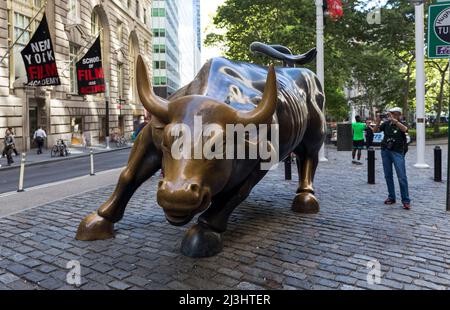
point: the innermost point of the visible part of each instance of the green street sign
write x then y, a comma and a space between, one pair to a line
439, 30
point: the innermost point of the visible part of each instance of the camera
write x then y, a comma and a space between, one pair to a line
390, 143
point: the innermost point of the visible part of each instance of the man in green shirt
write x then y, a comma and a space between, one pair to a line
358, 139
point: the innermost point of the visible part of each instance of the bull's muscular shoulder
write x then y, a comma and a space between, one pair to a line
241, 84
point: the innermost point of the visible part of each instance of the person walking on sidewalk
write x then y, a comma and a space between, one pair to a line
9, 145
358, 139
393, 149
39, 136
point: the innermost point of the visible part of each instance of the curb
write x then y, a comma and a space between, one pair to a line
63, 158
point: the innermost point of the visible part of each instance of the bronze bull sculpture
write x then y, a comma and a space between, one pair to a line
223, 92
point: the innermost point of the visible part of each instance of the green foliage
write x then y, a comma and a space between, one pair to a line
377, 58
430, 133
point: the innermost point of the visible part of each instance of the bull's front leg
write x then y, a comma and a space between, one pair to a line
204, 239
144, 161
305, 201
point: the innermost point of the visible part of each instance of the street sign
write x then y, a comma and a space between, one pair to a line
439, 30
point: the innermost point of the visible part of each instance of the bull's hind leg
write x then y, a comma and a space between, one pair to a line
144, 161
204, 239
305, 201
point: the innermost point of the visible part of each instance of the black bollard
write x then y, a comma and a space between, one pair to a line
371, 166
288, 168
438, 164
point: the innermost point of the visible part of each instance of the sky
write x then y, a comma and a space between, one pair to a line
208, 9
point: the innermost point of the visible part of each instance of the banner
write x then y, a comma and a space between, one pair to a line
335, 9
90, 76
39, 58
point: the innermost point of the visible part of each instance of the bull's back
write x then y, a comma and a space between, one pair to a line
241, 86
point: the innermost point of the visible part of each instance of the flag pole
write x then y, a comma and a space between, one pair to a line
23, 31
82, 50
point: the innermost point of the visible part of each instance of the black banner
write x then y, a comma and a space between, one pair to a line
39, 58
90, 76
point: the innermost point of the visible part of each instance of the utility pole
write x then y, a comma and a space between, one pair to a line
420, 84
320, 60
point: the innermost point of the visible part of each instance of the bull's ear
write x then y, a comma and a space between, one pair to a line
152, 103
265, 109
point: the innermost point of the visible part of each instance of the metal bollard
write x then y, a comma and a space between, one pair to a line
91, 155
438, 164
371, 166
22, 172
288, 168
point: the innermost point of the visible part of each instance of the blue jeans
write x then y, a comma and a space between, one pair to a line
389, 158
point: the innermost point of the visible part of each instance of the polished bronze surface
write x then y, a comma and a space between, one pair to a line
224, 92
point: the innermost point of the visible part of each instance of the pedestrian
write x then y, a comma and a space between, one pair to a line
39, 136
358, 139
9, 142
14, 141
393, 149
369, 133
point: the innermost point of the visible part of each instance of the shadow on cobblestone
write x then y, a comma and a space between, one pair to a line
266, 246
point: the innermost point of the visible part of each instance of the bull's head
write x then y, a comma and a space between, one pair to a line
189, 184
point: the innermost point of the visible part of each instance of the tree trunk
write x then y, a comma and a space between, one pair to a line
439, 106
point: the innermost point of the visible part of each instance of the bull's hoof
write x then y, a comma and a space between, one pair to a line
306, 203
95, 227
201, 241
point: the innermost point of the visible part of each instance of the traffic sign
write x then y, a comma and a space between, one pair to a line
439, 30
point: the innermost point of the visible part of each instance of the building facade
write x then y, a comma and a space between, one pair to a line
125, 31
176, 44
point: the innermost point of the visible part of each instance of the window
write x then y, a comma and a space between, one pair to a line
38, 3
159, 48
95, 23
159, 64
120, 80
73, 52
145, 16
120, 32
20, 23
146, 47
128, 3
77, 124
159, 12
159, 32
131, 68
159, 80
74, 11
138, 9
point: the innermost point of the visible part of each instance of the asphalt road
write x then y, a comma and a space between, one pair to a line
61, 170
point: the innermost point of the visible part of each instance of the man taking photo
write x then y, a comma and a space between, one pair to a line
393, 149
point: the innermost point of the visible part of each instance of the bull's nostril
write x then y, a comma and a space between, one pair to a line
194, 187
160, 184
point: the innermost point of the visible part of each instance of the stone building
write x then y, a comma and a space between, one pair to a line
125, 31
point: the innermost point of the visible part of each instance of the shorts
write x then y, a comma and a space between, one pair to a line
358, 144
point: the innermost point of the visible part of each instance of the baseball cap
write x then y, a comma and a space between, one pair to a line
396, 109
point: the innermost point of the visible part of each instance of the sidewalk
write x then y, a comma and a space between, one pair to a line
75, 152
266, 246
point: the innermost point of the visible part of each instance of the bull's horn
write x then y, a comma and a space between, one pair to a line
265, 109
153, 104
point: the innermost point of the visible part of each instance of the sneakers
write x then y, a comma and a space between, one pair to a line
356, 162
406, 206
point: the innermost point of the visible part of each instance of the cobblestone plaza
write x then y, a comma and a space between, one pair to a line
267, 246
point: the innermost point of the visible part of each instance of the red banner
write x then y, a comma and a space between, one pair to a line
335, 9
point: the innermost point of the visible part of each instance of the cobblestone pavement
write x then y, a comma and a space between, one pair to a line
266, 246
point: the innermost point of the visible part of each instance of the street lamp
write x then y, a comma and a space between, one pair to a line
420, 84
320, 60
